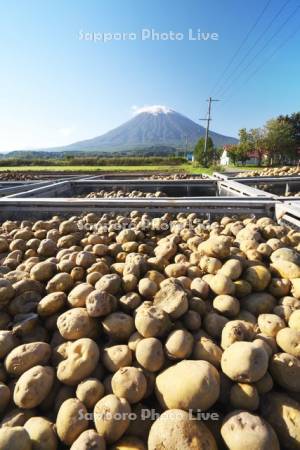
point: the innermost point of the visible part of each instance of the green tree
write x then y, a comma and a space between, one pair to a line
280, 141
202, 157
294, 120
258, 143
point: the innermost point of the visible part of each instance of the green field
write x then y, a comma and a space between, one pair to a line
180, 167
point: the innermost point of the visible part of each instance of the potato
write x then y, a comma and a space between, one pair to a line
232, 268
7, 291
288, 340
151, 321
205, 349
221, 284
82, 359
51, 304
111, 417
110, 283
75, 324
279, 287
179, 344
227, 305
192, 320
214, 323
89, 391
285, 370
4, 396
172, 298
60, 282
175, 429
258, 276
116, 356
47, 247
118, 326
270, 324
100, 303
26, 356
209, 264
265, 384
43, 271
199, 288
147, 288
41, 433
258, 303
238, 432
7, 342
244, 362
267, 342
33, 386
130, 301
294, 320
244, 396
242, 288
217, 246
283, 413
149, 354
285, 254
200, 389
129, 383
12, 438
286, 269
296, 287
78, 295
71, 420
88, 440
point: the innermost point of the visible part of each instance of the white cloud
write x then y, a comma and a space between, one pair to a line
152, 109
66, 131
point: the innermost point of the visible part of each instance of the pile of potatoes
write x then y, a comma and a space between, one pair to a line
284, 171
115, 332
8, 175
174, 176
125, 194
293, 194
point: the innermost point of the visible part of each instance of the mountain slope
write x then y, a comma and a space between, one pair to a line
156, 125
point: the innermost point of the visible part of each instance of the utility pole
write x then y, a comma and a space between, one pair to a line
186, 147
208, 119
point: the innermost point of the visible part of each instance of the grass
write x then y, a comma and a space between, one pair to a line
180, 167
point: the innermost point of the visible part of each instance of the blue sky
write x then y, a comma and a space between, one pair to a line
56, 88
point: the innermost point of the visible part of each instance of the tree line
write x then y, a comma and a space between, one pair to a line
277, 142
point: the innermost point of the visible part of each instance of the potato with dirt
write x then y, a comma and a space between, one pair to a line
71, 420
76, 324
238, 432
26, 356
175, 429
33, 386
111, 417
244, 362
200, 390
82, 357
151, 321
129, 383
42, 433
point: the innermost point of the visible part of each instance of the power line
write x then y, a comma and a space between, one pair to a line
233, 81
228, 78
241, 45
290, 36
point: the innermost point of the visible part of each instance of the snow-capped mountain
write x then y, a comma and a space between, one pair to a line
150, 126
